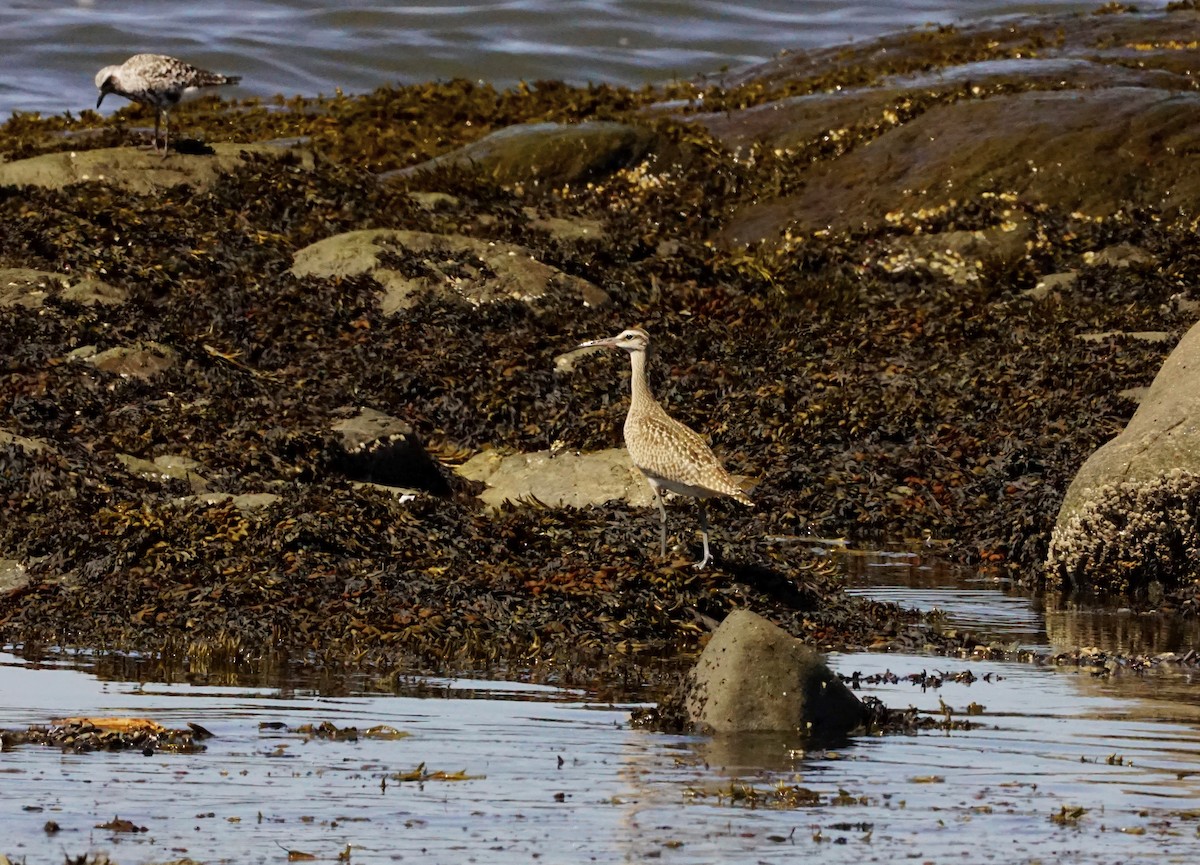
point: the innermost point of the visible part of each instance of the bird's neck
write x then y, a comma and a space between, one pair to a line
639, 388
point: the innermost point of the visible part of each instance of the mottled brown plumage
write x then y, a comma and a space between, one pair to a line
670, 455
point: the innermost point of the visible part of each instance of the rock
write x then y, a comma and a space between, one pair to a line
31, 445
380, 449
20, 286
243, 502
1052, 285
141, 360
1069, 137
1119, 255
551, 154
13, 576
166, 467
1143, 335
1144, 475
563, 479
476, 270
754, 677
1131, 540
956, 255
136, 170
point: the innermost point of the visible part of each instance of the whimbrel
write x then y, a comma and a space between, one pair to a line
671, 456
158, 81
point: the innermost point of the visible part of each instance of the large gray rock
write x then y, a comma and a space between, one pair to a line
1124, 522
571, 479
754, 677
477, 271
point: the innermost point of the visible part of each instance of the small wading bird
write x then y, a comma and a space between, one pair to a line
671, 456
158, 81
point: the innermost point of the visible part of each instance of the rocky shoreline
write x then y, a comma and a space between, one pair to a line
909, 286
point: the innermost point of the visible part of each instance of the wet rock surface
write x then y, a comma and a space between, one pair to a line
753, 677
879, 385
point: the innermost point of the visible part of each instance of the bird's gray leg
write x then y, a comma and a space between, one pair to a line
662, 514
703, 533
166, 132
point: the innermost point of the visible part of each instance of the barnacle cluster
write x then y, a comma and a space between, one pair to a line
1137, 540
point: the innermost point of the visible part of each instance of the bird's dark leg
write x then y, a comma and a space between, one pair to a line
662, 513
703, 533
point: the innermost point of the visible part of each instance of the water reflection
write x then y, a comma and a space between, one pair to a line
1063, 764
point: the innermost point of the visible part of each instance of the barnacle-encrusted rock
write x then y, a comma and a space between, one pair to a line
1136, 539
1163, 434
1123, 523
137, 170
754, 677
548, 153
407, 262
572, 479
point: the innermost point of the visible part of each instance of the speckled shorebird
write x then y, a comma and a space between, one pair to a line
671, 456
158, 81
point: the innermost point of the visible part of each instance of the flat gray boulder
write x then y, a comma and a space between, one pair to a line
565, 479
407, 263
754, 677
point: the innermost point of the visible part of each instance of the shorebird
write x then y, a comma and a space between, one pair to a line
671, 456
158, 81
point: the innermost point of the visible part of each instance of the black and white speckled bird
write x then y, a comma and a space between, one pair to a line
671, 456
158, 81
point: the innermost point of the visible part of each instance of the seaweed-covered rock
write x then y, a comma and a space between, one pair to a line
407, 263
1094, 151
548, 153
137, 170
754, 677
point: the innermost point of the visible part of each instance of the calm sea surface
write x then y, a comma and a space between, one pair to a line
50, 50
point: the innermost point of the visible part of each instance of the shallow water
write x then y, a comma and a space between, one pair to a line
51, 49
1125, 749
